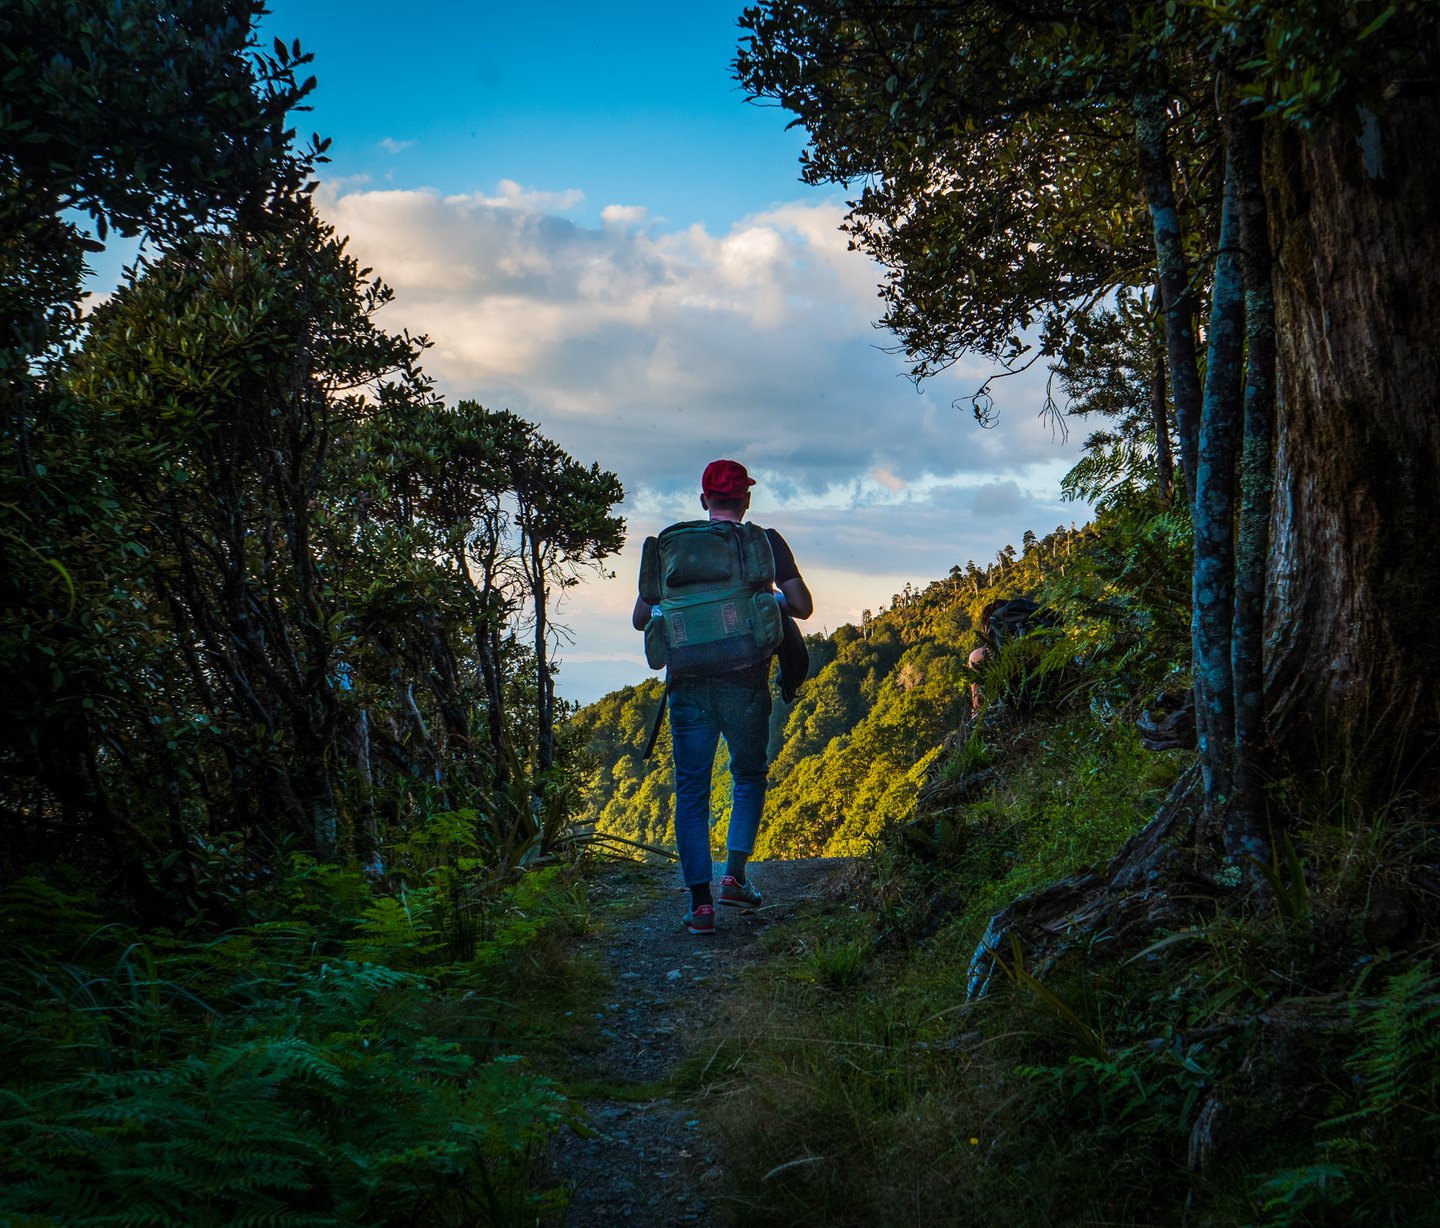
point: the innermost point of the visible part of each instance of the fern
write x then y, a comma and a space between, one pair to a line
1377, 1158
1288, 1195
36, 915
251, 1131
257, 1080
1398, 1061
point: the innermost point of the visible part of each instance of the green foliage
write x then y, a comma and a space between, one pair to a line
145, 124
1110, 365
1371, 1158
838, 802
940, 110
278, 1073
1287, 887
1399, 1045
837, 962
269, 593
624, 796
1091, 1043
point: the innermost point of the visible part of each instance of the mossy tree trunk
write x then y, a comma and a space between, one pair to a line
1256, 480
1352, 636
1177, 296
1213, 511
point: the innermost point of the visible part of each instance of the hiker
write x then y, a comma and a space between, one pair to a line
977, 657
1002, 622
718, 640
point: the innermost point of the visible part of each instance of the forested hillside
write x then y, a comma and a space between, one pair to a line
849, 755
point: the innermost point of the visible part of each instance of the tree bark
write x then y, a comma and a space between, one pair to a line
1160, 416
1353, 644
1214, 511
1177, 299
544, 684
1244, 828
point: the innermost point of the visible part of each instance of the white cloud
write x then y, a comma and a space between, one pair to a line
623, 215
390, 145
510, 195
653, 351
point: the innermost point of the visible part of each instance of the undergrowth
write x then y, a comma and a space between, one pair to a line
350, 1055
1058, 797
1270, 1068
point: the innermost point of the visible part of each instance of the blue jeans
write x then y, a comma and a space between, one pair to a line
702, 710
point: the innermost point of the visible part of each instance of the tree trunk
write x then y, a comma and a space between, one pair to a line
1352, 639
1177, 298
1245, 825
1160, 416
1214, 511
544, 684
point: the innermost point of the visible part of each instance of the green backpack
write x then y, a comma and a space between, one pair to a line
710, 585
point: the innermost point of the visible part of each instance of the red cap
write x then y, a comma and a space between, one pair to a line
726, 479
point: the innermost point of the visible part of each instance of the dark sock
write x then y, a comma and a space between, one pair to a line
700, 894
735, 865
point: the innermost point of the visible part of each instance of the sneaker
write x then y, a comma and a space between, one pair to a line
738, 894
701, 920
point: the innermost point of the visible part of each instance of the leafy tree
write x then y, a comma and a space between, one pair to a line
1113, 367
148, 119
565, 525
154, 121
999, 192
230, 377
958, 103
264, 582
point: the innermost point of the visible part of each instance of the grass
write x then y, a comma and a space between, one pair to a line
1263, 1068
1063, 797
1269, 1068
880, 1100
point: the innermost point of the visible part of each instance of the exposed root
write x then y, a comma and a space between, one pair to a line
1152, 882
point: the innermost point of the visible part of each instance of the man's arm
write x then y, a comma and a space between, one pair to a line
641, 614
797, 600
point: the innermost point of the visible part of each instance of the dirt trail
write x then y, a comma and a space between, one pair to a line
652, 1161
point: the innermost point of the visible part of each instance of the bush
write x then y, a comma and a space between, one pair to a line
264, 1077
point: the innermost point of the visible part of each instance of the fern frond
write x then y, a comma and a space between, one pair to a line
1397, 1061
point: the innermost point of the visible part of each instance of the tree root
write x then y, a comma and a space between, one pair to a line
1154, 881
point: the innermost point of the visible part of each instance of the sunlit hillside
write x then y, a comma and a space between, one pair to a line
851, 755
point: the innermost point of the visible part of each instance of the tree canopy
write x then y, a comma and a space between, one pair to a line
1023, 165
260, 579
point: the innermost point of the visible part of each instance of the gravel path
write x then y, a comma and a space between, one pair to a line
650, 1161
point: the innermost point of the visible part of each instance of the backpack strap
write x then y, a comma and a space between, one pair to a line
659, 717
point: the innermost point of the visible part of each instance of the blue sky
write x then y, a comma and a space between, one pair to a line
634, 102
577, 206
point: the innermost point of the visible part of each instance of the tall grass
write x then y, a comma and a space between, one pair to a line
1261, 1067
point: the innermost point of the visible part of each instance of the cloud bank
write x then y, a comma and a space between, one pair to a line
653, 349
